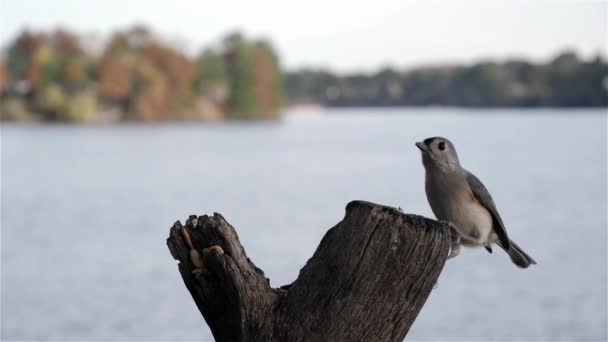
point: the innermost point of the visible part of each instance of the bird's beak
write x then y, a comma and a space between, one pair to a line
422, 146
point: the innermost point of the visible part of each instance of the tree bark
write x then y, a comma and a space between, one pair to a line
367, 281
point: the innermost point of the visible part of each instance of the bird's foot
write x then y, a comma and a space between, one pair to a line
454, 240
454, 250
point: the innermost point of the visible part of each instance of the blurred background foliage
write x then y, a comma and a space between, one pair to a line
136, 77
565, 81
50, 77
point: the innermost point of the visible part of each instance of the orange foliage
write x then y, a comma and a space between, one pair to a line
66, 42
178, 70
34, 74
114, 79
3, 77
163, 76
146, 78
152, 102
264, 83
74, 72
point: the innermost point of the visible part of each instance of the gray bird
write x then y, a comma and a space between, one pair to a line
458, 197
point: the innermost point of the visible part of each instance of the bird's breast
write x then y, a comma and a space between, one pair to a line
452, 200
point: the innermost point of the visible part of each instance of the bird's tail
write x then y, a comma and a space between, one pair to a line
518, 256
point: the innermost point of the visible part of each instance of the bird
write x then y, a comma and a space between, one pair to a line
458, 197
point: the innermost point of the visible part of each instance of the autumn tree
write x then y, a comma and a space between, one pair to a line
176, 69
115, 71
24, 57
267, 81
55, 69
114, 80
3, 78
150, 80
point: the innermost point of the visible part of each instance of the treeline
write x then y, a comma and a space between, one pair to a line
51, 77
565, 81
135, 76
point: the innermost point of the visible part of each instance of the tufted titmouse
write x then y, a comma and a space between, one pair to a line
458, 197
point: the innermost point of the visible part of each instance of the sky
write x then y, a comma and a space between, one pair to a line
342, 35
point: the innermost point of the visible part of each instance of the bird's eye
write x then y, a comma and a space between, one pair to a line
441, 146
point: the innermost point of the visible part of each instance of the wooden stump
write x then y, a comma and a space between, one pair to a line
367, 281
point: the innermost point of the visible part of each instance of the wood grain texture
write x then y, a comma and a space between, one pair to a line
367, 281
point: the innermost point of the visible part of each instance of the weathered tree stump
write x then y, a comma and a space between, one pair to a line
367, 280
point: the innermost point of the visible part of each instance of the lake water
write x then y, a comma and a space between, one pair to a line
86, 211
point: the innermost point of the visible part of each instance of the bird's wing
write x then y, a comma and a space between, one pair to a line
485, 199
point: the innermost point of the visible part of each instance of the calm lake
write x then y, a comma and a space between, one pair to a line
86, 211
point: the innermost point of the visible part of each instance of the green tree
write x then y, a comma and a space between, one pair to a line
254, 79
240, 71
210, 72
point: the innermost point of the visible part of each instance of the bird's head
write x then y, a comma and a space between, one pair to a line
438, 153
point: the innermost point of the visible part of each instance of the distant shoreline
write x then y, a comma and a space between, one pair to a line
322, 106
299, 112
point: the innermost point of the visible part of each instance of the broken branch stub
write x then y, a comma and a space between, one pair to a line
367, 281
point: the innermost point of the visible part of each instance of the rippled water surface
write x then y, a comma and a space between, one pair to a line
86, 211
